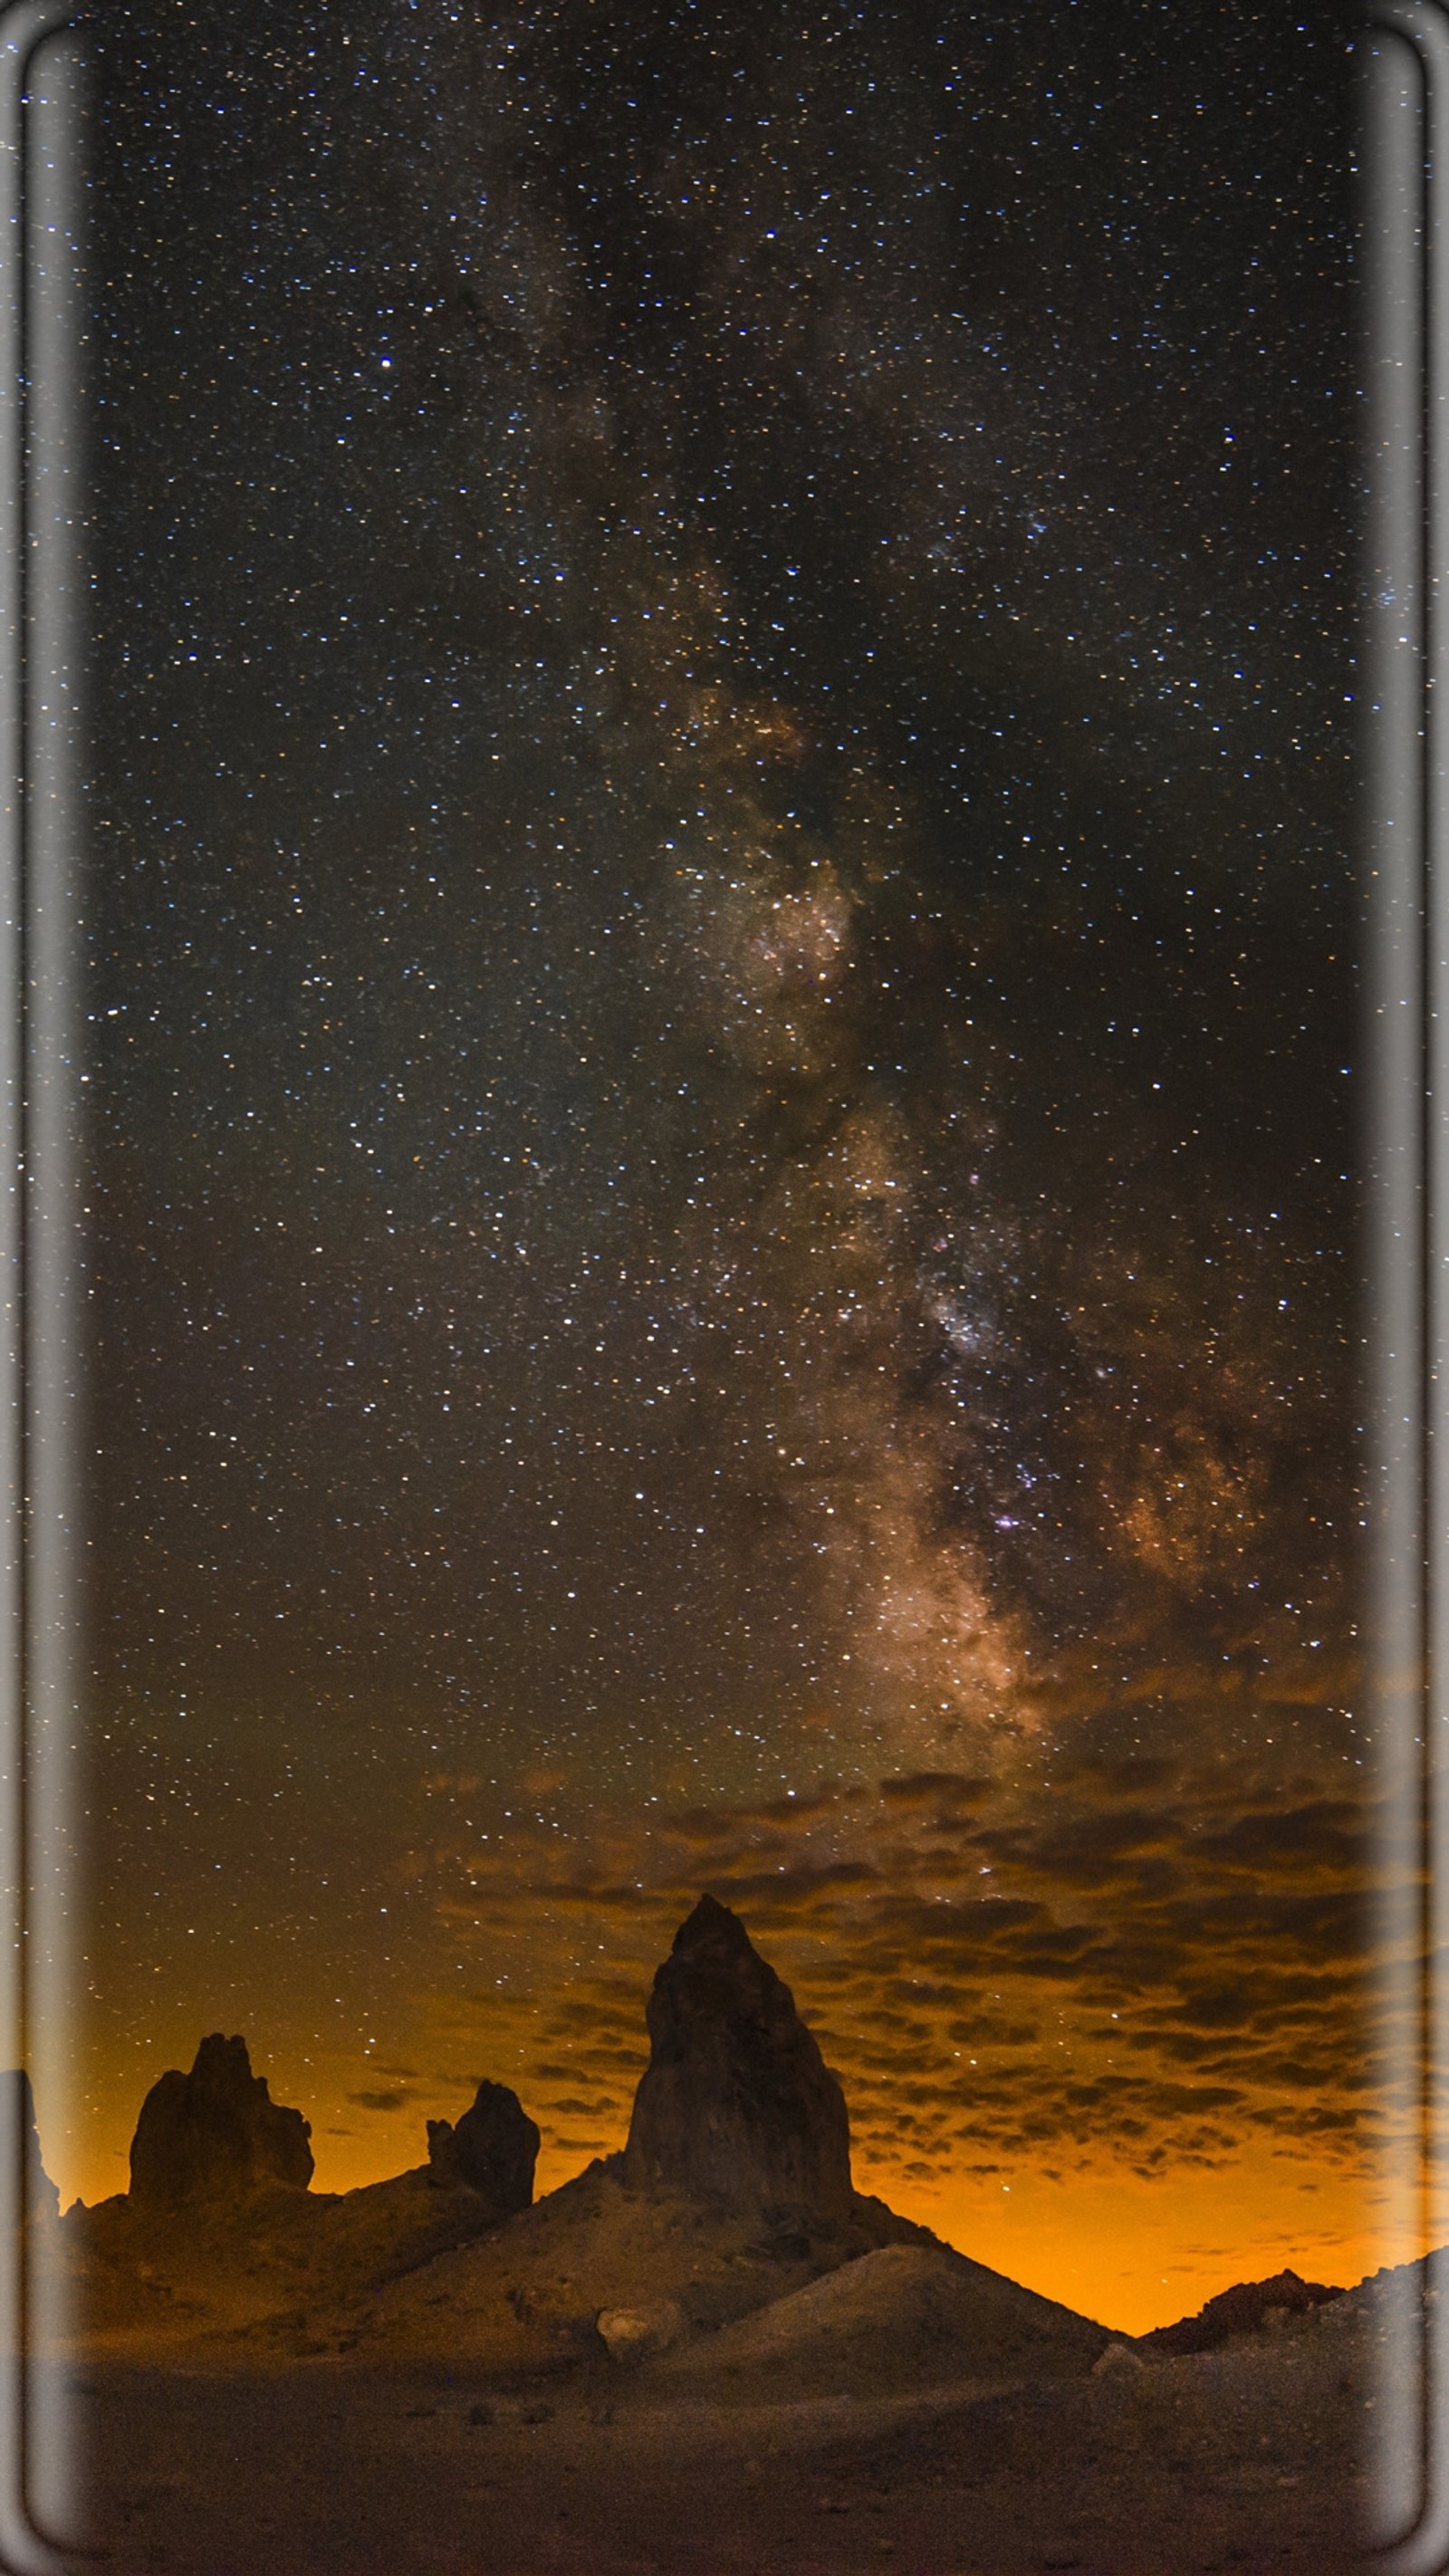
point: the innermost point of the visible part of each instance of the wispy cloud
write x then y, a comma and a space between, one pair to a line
1151, 1963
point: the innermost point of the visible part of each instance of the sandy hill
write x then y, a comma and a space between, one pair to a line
141, 2280
905, 2316
868, 2304
529, 2295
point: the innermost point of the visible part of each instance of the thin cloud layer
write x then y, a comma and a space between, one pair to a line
1145, 1964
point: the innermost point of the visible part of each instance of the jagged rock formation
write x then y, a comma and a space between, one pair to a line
215, 2134
24, 2168
1240, 2310
736, 2106
493, 2149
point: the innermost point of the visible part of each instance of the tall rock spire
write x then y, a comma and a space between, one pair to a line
493, 2149
737, 2106
26, 2176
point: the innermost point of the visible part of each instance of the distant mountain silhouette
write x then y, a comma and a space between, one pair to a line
1240, 2310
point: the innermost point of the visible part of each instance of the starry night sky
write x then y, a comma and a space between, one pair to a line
722, 939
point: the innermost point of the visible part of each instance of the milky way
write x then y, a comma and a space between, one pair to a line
723, 946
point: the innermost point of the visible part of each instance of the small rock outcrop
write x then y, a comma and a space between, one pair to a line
24, 2170
1241, 2310
493, 2149
215, 2134
636, 2334
737, 2107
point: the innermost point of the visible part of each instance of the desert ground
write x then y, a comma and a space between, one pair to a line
1250, 2459
905, 2410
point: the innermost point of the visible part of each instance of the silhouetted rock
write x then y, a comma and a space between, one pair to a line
216, 2133
736, 2106
24, 2169
1240, 2310
494, 2148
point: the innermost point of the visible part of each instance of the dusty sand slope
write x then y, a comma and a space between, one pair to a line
141, 2282
409, 2271
527, 2294
906, 2318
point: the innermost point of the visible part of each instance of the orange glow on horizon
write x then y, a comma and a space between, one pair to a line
1129, 2252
